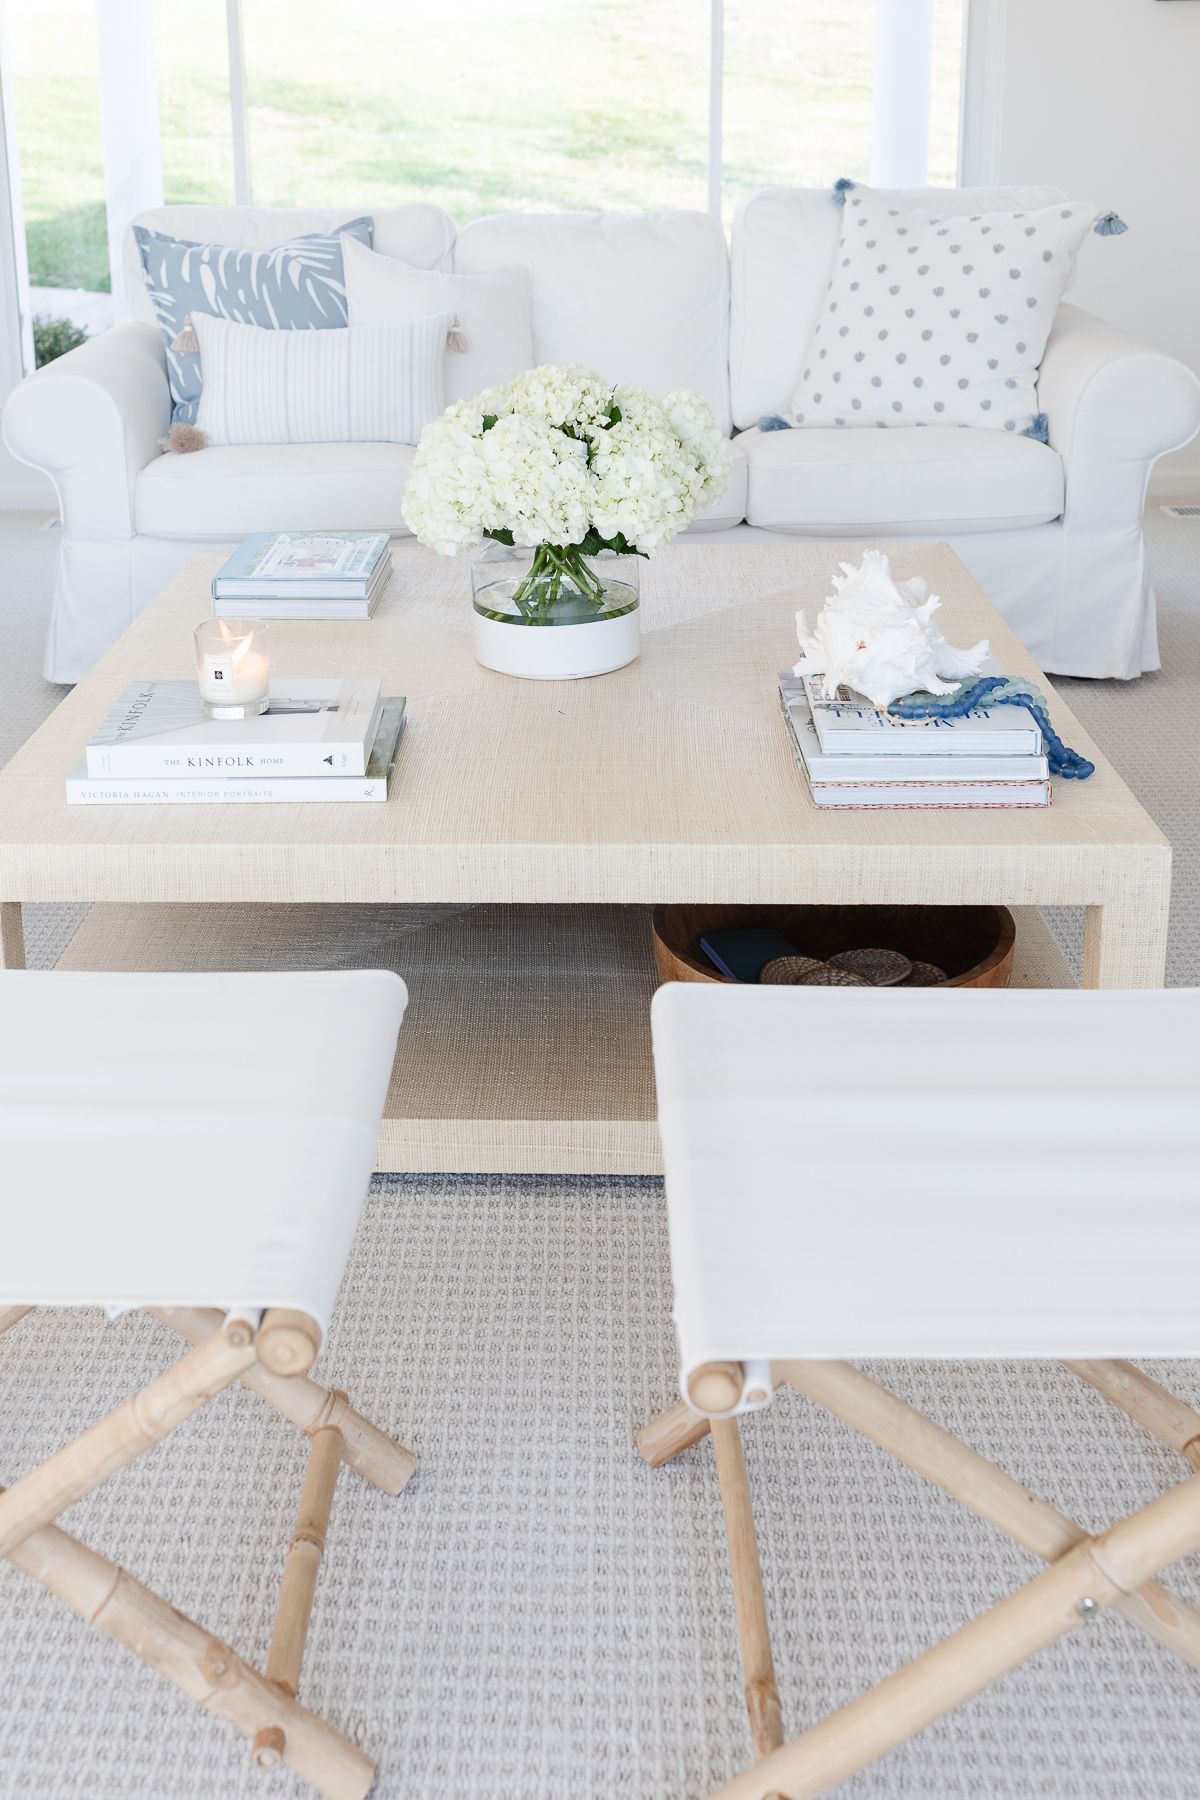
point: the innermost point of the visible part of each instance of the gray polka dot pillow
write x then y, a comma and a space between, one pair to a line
937, 318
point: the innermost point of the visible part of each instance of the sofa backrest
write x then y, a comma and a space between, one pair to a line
782, 252
421, 235
642, 297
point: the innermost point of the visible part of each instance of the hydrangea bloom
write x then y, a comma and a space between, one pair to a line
560, 457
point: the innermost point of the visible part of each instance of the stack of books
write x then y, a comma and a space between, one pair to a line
853, 754
304, 575
318, 740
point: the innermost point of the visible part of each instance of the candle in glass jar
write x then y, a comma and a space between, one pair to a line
233, 667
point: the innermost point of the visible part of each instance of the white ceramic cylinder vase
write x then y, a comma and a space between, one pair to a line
551, 613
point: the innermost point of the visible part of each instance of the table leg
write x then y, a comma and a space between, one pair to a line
12, 937
1125, 942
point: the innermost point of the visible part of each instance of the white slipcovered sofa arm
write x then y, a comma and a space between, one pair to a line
91, 420
1114, 406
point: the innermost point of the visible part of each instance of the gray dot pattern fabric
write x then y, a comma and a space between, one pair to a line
937, 318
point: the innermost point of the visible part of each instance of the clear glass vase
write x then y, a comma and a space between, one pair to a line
553, 584
593, 600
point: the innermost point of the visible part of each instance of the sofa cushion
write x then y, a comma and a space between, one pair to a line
641, 297
422, 235
363, 384
926, 481
297, 286
782, 251
227, 491
230, 490
492, 313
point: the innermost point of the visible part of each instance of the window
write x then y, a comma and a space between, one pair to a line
534, 105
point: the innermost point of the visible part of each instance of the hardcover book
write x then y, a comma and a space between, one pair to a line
847, 725
915, 788
312, 727
254, 790
850, 767
303, 563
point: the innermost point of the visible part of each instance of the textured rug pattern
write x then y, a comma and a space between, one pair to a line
539, 1614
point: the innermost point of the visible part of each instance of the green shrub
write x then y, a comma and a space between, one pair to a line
54, 337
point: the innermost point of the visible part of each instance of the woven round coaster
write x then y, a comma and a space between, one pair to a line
925, 975
789, 971
806, 971
882, 968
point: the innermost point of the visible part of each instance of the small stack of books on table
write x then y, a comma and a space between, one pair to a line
318, 740
304, 575
853, 754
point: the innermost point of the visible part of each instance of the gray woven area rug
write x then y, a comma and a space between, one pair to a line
539, 1614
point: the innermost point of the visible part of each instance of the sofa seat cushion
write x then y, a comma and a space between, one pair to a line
927, 481
230, 490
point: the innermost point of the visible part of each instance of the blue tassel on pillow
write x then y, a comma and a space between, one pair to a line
1039, 431
1109, 225
773, 422
840, 189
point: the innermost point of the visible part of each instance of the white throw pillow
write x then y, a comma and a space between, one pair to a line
357, 384
938, 318
494, 314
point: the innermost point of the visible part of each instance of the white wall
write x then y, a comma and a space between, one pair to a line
1102, 99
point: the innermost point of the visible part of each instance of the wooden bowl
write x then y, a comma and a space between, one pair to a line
974, 944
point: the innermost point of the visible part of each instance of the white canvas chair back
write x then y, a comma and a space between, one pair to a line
855, 1174
956, 1173
200, 1145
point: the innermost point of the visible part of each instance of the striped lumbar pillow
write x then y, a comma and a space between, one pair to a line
360, 384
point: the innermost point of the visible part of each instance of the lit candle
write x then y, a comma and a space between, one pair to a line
233, 667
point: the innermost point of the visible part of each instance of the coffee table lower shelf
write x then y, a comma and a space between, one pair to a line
526, 1047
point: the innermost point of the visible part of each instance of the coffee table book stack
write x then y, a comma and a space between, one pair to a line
853, 754
304, 575
318, 741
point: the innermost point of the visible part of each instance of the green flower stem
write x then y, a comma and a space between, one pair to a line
538, 594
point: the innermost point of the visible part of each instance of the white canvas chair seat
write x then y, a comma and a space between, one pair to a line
191, 1143
189, 1140
876, 1173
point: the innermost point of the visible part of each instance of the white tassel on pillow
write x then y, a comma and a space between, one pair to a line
455, 339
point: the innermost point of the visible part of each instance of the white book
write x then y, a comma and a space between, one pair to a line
855, 727
313, 727
915, 791
321, 608
933, 768
302, 562
249, 790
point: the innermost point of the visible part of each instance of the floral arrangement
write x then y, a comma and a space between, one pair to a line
563, 462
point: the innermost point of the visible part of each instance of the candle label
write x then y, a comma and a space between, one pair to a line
218, 676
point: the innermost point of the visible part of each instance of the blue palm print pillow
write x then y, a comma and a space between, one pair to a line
298, 286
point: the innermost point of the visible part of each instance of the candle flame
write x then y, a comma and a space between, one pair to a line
238, 646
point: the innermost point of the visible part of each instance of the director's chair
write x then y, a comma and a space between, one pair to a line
199, 1145
861, 1174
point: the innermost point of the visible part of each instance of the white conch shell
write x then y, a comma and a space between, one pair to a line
878, 636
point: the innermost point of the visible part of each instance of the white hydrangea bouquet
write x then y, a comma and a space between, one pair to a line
564, 472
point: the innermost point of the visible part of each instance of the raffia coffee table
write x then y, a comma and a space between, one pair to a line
538, 822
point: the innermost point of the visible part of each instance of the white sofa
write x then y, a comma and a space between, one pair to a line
1052, 531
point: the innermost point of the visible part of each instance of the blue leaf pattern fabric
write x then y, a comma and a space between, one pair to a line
298, 286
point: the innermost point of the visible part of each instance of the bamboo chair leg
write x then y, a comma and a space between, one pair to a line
206, 1670
991, 1493
1176, 1423
754, 1639
365, 1448
9, 1316
288, 1341
670, 1434
134, 1427
1093, 1574
304, 1560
